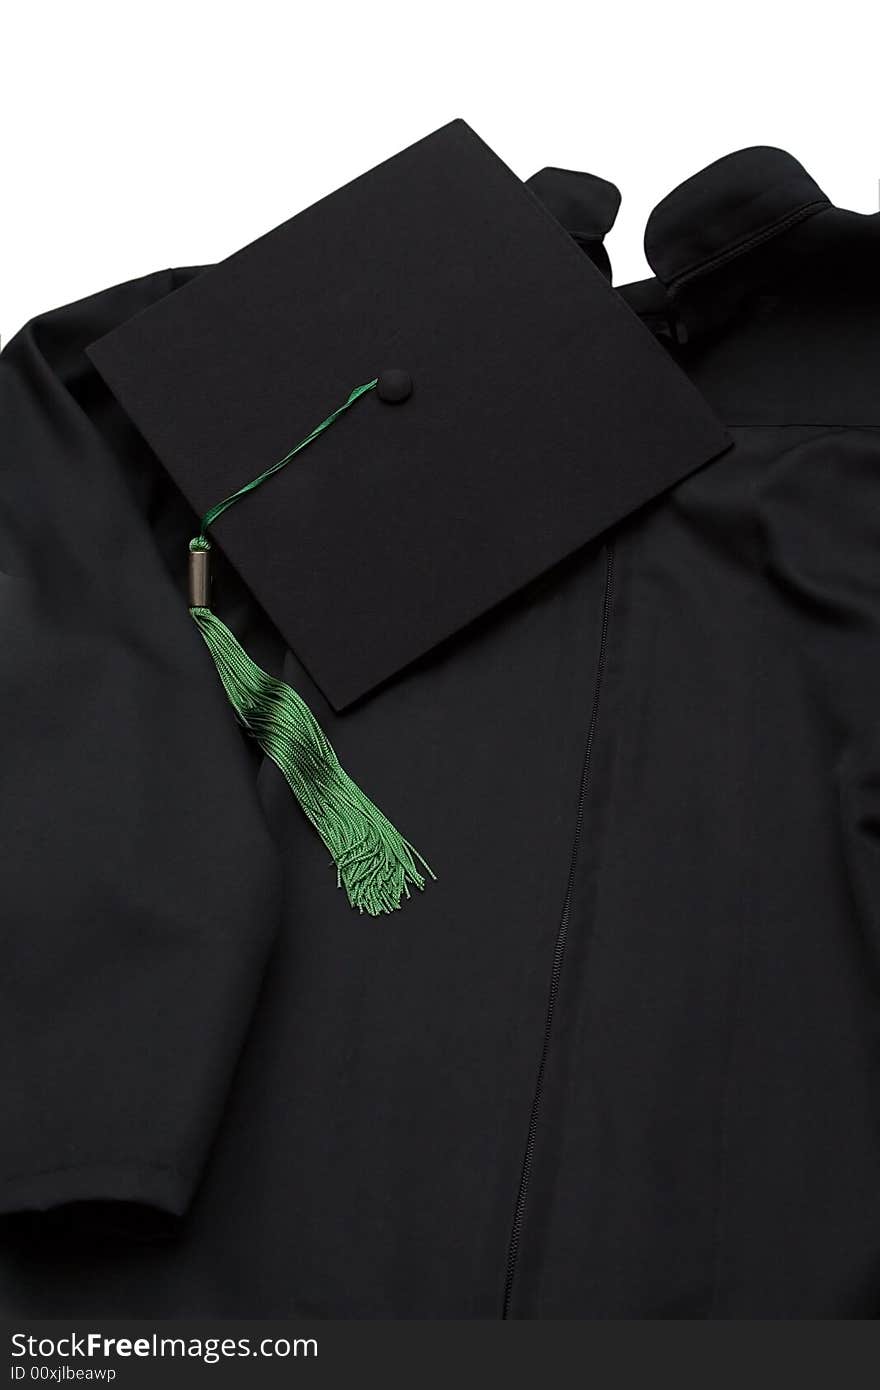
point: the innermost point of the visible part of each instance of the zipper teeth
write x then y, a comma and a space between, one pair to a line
559, 949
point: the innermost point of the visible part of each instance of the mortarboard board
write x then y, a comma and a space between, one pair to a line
513, 408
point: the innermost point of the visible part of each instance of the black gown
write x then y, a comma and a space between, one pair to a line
622, 1059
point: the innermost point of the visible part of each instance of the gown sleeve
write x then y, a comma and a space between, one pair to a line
138, 881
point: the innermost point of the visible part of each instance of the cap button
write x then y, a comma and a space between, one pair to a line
394, 386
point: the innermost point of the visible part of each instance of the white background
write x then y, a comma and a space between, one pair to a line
138, 136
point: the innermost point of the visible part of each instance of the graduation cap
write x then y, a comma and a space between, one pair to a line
392, 412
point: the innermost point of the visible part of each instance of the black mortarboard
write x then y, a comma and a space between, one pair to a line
540, 411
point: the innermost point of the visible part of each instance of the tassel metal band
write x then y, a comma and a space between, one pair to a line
199, 576
375, 865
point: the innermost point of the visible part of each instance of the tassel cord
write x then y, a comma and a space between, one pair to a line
214, 513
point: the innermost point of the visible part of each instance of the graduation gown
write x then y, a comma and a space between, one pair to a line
622, 1059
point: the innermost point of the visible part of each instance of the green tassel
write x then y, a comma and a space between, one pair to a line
374, 863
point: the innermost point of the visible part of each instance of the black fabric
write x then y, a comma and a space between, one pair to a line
583, 204
439, 263
736, 203
130, 973
623, 1058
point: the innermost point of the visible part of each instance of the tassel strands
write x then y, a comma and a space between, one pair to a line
375, 865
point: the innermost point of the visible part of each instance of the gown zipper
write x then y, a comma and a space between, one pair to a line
559, 948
